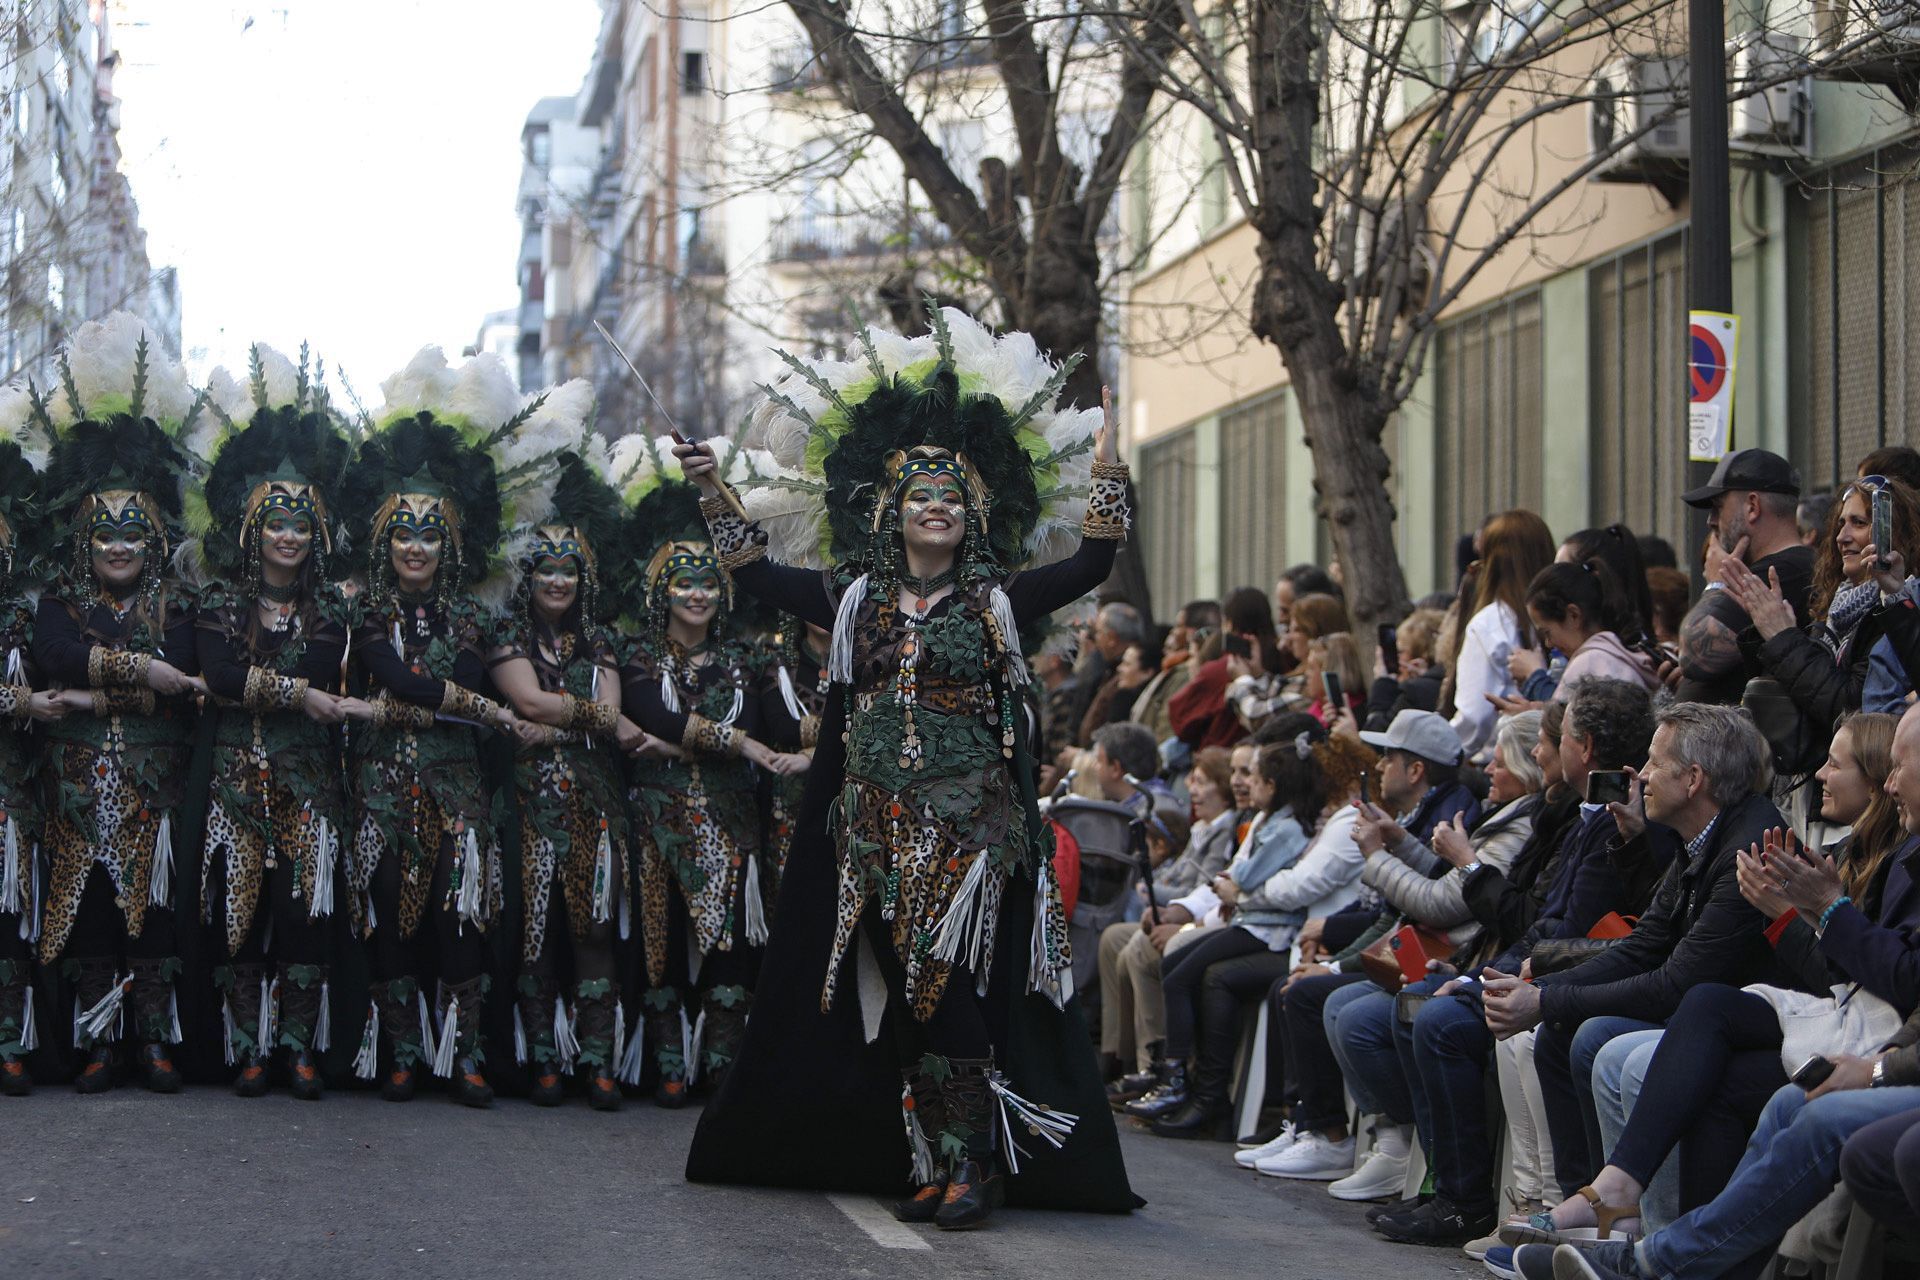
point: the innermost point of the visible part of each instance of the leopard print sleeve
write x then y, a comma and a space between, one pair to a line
1107, 515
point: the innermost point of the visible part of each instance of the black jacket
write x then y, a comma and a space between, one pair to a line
1507, 903
1697, 929
1824, 689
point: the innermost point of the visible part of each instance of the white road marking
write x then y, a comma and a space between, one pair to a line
878, 1223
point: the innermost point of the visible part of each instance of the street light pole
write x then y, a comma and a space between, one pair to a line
1710, 235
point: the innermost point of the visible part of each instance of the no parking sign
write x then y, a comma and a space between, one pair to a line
1713, 341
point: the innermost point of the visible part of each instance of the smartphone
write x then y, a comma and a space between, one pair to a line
1239, 646
1366, 789
1390, 649
1406, 1005
1813, 1073
1883, 523
1335, 702
1411, 955
1607, 786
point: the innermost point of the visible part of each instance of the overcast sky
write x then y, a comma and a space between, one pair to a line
341, 171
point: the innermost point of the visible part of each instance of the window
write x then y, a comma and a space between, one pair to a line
693, 73
1253, 493
964, 142
1487, 420
1857, 373
1637, 378
1481, 31
1166, 487
56, 289
540, 149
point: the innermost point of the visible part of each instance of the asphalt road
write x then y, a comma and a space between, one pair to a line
207, 1185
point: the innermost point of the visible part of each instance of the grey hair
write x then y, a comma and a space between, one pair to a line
1515, 742
1125, 623
1725, 743
1615, 717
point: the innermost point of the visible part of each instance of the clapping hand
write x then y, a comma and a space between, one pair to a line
1764, 602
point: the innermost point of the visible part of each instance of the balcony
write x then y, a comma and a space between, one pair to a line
794, 69
825, 238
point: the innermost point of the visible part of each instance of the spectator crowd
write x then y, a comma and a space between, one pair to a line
1574, 921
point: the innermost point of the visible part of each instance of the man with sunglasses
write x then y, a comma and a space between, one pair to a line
1752, 502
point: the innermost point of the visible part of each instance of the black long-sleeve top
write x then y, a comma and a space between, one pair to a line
782, 730
225, 658
640, 694
65, 636
388, 668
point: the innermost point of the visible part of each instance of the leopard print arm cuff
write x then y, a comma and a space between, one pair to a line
709, 737
16, 701
590, 716
118, 700
116, 667
463, 703
1107, 515
390, 712
809, 732
266, 691
735, 541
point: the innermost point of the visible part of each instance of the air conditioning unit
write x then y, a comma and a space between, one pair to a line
1770, 99
1622, 99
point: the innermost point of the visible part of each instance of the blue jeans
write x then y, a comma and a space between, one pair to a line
1563, 1059
1446, 1053
1368, 1063
1791, 1164
1619, 1073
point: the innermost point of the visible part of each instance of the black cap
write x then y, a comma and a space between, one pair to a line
1746, 469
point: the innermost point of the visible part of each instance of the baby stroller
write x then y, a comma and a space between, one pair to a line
1109, 842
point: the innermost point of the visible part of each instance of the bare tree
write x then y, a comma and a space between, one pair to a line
1382, 171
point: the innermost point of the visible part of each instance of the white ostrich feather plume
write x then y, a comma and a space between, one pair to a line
233, 398
638, 461
102, 358
483, 392
16, 424
425, 385
282, 379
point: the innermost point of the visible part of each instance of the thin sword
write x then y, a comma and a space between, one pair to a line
726, 490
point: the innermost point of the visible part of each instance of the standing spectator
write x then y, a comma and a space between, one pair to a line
1255, 696
1116, 697
1895, 461
1339, 654
1811, 515
1583, 611
1116, 628
1516, 546
1750, 501
1199, 713
1656, 552
1415, 682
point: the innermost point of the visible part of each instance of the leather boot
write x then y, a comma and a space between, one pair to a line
16, 996
399, 1003
303, 991
726, 1010
535, 1007
1136, 1084
596, 1004
925, 1108
469, 1085
976, 1187
1203, 1110
1169, 1096
243, 984
97, 990
665, 1034
155, 1022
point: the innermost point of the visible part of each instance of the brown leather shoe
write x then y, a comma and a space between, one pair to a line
924, 1203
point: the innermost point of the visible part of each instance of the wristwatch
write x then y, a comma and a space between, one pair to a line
1879, 1076
1467, 870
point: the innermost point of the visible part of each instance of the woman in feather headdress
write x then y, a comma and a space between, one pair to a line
791, 707
555, 662
691, 679
116, 634
928, 471
424, 495
272, 633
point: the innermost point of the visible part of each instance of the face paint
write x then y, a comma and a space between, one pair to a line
688, 583
117, 539
286, 534
556, 581
931, 491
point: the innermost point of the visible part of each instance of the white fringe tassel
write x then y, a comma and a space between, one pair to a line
471, 897
428, 1045
756, 906
840, 652
1050, 1126
965, 925
326, 853
634, 1061
788, 696
269, 1015
734, 708
11, 885
519, 1036
603, 881
1056, 984
160, 881
923, 1169
565, 1046
366, 1063
102, 1021
690, 1047
29, 1031
449, 1038
323, 1022
227, 1026
619, 1034
1009, 635
174, 1034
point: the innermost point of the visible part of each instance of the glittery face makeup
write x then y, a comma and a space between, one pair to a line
933, 511
556, 584
286, 532
117, 538
415, 553
693, 594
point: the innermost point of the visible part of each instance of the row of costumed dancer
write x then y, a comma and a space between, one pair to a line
374, 743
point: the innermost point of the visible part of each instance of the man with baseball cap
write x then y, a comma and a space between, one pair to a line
1420, 772
1751, 501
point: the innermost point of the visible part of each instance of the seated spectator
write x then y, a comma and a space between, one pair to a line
1302, 580
1719, 1062
1059, 721
1126, 763
1339, 654
1362, 1033
1795, 1155
1132, 1015
1279, 873
1255, 695
1704, 802
1193, 625
1199, 713
1515, 547
1583, 611
1856, 653
1414, 684
1811, 515
1750, 501
1111, 705
1670, 592
1116, 628
1881, 1166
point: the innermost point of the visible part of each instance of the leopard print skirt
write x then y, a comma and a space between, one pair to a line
127, 832
580, 857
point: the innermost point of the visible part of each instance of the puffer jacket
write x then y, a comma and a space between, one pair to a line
1823, 688
1405, 875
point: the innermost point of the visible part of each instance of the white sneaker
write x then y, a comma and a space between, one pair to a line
1252, 1156
1312, 1159
1380, 1175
